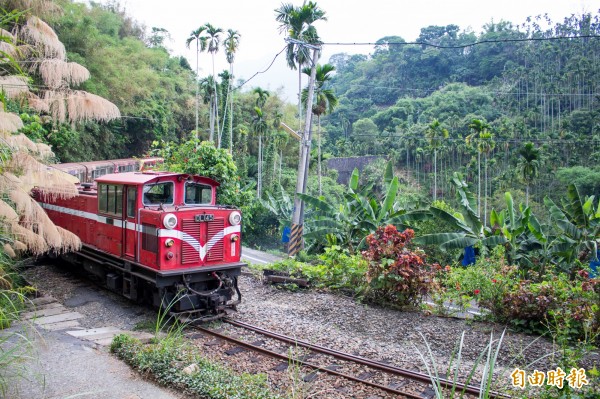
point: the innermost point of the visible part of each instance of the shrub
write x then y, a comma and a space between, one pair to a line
339, 270
555, 302
166, 359
396, 273
487, 283
335, 269
15, 345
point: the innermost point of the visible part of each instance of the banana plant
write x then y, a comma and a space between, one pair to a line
281, 206
359, 215
539, 248
468, 230
512, 225
579, 224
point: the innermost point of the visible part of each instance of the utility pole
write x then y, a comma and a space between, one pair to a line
296, 236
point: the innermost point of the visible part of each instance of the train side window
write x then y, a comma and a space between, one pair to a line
102, 198
110, 199
119, 200
196, 193
131, 201
158, 193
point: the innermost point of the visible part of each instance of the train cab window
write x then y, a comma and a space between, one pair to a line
158, 193
196, 193
131, 201
110, 199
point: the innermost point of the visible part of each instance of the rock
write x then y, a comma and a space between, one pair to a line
191, 369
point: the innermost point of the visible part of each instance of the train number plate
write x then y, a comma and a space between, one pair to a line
204, 218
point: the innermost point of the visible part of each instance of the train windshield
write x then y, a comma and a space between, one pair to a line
158, 193
196, 193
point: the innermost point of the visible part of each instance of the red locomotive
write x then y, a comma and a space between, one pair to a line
157, 237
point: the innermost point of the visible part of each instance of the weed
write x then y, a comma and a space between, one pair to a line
487, 358
164, 360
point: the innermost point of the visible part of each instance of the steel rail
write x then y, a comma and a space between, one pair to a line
307, 364
414, 375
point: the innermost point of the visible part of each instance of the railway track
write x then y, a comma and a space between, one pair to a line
386, 377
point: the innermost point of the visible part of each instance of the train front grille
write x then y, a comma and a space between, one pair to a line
215, 230
202, 232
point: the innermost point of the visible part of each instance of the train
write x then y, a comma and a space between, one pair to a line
155, 237
87, 172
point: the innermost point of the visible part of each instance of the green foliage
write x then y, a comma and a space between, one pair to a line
148, 85
397, 272
401, 89
467, 229
15, 346
585, 178
280, 204
262, 230
335, 269
204, 159
579, 222
358, 215
164, 361
434, 224
554, 302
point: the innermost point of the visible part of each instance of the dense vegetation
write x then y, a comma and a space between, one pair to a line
540, 91
493, 147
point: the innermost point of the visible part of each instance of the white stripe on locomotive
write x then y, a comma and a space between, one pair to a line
180, 235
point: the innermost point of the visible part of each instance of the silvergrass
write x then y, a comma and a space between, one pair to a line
485, 387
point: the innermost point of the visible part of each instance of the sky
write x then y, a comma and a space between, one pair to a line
348, 21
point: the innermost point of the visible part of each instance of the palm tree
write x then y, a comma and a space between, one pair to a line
435, 133
208, 88
262, 96
297, 23
529, 165
259, 125
325, 103
280, 138
477, 127
223, 87
213, 40
485, 146
231, 43
200, 40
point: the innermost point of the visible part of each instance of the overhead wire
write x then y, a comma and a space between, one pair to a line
264, 71
500, 140
462, 46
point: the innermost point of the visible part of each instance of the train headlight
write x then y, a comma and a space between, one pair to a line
169, 242
235, 218
170, 221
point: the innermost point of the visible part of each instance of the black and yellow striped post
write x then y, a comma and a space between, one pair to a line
296, 240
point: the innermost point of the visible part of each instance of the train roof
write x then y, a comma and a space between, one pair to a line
115, 162
146, 177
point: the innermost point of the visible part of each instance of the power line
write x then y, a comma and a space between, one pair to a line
259, 72
462, 139
462, 46
495, 92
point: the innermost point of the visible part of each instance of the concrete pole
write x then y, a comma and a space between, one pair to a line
296, 239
